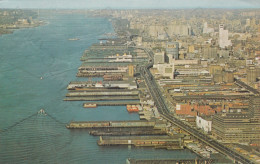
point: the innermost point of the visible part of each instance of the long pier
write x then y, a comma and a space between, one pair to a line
128, 132
121, 128
101, 98
168, 161
113, 103
105, 124
157, 141
87, 93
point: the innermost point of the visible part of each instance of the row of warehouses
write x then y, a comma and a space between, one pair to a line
225, 110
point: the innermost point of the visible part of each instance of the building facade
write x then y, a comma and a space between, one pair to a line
223, 37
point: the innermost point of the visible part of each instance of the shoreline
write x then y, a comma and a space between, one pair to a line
10, 30
13, 19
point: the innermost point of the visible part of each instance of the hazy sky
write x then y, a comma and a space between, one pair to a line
87, 4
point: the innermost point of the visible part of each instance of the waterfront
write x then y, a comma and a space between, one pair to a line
29, 54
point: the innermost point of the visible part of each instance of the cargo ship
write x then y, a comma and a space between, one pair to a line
85, 105
132, 108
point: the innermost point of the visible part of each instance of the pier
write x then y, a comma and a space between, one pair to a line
113, 103
85, 94
167, 161
101, 98
127, 132
170, 142
121, 128
105, 124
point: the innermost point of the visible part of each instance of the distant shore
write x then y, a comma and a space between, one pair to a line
12, 19
11, 29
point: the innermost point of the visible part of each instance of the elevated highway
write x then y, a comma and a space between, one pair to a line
164, 112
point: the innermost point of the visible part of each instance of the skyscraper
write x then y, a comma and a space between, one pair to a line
206, 29
251, 74
131, 70
173, 48
223, 37
254, 108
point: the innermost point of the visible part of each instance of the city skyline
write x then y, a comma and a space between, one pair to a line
128, 4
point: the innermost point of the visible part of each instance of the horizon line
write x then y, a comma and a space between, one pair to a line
110, 8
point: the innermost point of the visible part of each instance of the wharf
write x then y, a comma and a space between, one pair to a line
114, 103
105, 124
110, 60
99, 74
128, 132
101, 98
167, 161
106, 58
88, 93
89, 89
174, 142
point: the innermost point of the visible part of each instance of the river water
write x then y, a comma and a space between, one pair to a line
45, 51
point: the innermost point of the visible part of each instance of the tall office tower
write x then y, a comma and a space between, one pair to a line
253, 22
173, 48
254, 108
206, 29
248, 22
251, 74
223, 37
131, 70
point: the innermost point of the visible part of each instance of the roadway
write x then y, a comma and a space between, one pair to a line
214, 97
244, 85
164, 112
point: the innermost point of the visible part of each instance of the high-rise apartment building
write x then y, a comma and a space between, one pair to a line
223, 37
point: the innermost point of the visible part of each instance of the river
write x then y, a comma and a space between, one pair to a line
45, 51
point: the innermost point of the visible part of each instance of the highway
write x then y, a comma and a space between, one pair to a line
214, 97
244, 85
164, 112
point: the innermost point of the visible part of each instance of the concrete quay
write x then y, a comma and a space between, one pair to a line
87, 93
175, 142
101, 98
167, 161
113, 103
105, 124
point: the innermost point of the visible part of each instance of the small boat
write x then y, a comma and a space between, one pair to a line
132, 108
72, 39
42, 112
41, 78
89, 105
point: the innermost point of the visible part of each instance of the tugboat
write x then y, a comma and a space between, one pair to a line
42, 112
132, 108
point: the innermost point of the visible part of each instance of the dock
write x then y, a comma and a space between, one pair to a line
101, 98
99, 90
128, 132
113, 103
121, 128
174, 142
105, 124
167, 161
88, 93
